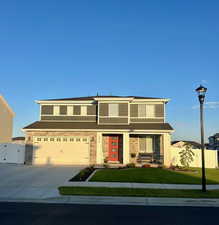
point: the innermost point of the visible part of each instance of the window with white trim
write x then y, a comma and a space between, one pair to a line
150, 111
113, 110
146, 111
83, 110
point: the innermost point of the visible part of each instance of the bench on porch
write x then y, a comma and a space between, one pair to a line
149, 158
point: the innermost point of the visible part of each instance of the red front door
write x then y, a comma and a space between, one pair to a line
114, 148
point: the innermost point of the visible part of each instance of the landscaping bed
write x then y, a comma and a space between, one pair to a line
137, 192
155, 175
83, 174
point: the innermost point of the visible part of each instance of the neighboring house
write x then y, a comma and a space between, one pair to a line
214, 142
18, 140
6, 121
181, 144
99, 129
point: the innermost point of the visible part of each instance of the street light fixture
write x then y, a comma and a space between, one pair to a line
201, 91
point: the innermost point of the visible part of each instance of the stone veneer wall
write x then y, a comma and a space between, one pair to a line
29, 142
133, 148
105, 145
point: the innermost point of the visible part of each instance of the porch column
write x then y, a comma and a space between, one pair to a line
99, 153
125, 148
167, 149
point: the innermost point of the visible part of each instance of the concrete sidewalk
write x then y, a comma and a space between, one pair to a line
143, 201
140, 185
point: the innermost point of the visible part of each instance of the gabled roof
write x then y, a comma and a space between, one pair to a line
96, 97
93, 125
6, 105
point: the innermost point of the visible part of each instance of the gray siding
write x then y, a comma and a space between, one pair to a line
63, 109
70, 118
113, 120
103, 110
159, 110
123, 109
134, 120
134, 110
77, 110
47, 109
91, 110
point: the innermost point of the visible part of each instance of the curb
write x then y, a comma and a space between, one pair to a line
134, 201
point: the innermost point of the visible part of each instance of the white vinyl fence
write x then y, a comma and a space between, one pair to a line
211, 158
12, 153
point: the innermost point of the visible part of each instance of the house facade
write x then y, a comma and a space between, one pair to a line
99, 129
6, 121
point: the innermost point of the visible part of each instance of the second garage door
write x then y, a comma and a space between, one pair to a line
61, 150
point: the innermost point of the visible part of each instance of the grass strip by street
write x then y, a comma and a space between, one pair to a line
155, 175
137, 192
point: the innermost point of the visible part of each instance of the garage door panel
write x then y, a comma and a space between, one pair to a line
61, 150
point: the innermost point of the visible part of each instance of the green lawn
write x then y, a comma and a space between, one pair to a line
155, 175
101, 191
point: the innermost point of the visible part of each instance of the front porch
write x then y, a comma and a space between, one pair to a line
117, 148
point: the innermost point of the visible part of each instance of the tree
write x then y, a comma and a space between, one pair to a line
186, 156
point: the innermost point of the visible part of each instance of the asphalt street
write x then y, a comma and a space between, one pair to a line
64, 214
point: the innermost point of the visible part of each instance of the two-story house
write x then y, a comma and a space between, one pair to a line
99, 129
6, 121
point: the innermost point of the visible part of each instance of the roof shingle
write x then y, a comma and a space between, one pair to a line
93, 125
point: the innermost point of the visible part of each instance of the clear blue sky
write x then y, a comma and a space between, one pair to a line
55, 49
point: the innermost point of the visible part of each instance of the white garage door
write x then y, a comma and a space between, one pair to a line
61, 150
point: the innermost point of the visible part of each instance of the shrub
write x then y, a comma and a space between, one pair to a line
146, 166
133, 155
130, 165
186, 156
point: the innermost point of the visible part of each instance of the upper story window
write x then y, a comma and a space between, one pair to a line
68, 110
83, 110
113, 110
145, 110
47, 110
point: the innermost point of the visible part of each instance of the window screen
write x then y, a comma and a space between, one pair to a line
113, 109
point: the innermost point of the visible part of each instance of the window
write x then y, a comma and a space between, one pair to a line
38, 139
146, 111
71, 139
78, 139
56, 110
47, 110
58, 139
70, 110
83, 110
65, 139
113, 110
150, 111
45, 139
52, 139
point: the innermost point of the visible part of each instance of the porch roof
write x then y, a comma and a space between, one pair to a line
44, 125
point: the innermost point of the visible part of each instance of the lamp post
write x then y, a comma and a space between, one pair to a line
201, 91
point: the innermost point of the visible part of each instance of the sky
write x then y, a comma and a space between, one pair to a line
69, 48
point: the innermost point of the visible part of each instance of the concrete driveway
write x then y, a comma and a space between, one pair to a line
33, 182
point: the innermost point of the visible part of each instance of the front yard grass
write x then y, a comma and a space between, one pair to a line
155, 175
137, 192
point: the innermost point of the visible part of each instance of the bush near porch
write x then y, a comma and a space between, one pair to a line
155, 175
